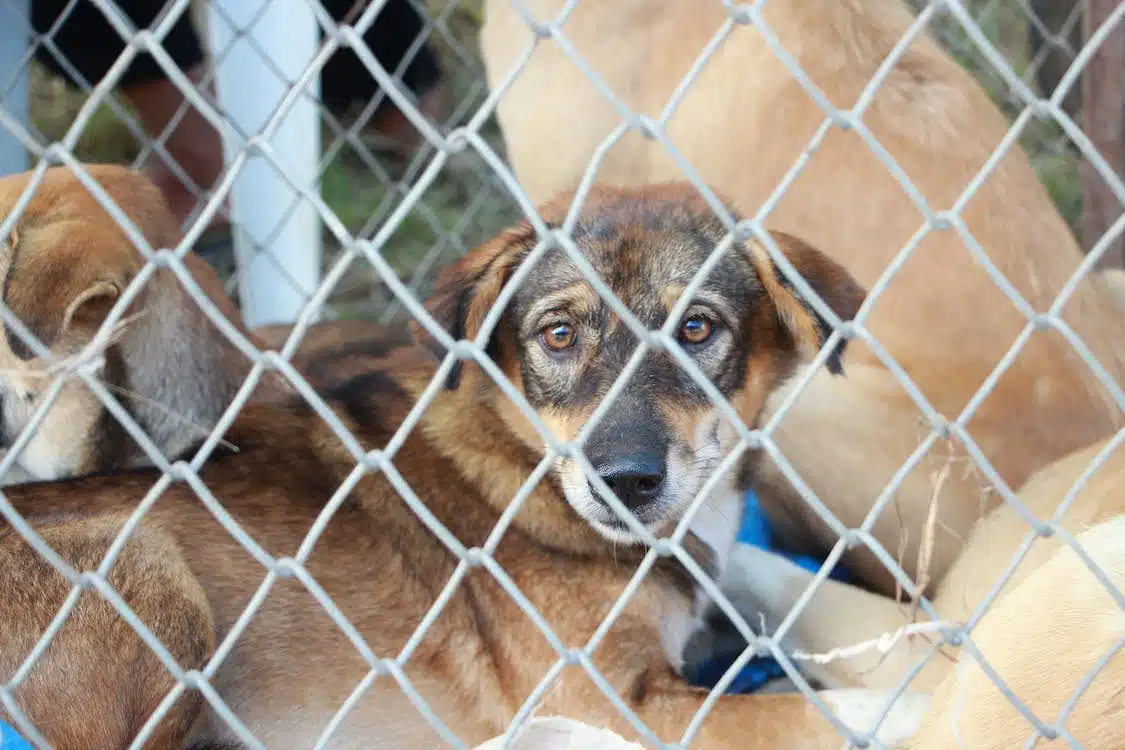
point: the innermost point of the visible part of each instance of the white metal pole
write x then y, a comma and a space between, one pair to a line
15, 90
250, 88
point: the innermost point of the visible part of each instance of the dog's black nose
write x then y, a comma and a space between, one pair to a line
636, 482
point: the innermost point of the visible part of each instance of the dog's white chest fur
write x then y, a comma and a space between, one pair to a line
716, 524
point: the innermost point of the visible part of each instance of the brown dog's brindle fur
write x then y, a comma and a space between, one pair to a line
384, 567
334, 352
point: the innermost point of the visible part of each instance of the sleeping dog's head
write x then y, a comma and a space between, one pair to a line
562, 346
64, 266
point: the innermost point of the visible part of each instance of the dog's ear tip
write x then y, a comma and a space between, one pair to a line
463, 288
834, 362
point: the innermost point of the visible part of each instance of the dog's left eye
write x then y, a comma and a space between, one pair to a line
558, 336
696, 329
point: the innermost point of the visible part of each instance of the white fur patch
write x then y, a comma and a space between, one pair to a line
718, 520
859, 709
761, 583
560, 733
678, 621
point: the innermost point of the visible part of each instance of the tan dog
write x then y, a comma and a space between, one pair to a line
743, 125
1066, 668
1050, 624
64, 266
566, 550
771, 585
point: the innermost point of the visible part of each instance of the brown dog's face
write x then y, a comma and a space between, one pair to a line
563, 346
63, 267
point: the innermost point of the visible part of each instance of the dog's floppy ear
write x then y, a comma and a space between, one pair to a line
71, 287
467, 290
830, 280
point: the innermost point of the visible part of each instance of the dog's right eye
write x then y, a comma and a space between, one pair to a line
695, 329
558, 336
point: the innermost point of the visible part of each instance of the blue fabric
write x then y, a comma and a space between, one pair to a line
10, 739
759, 670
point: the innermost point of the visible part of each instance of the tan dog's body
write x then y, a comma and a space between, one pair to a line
384, 567
1046, 623
1067, 668
743, 125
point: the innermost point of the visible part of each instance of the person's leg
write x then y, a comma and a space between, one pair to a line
191, 143
346, 81
90, 47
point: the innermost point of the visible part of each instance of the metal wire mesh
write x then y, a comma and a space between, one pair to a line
457, 191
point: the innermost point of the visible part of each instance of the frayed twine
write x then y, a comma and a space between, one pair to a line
883, 643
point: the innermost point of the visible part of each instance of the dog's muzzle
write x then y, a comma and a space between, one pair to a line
629, 451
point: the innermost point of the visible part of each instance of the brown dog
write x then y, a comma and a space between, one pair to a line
333, 352
944, 319
64, 266
171, 366
293, 667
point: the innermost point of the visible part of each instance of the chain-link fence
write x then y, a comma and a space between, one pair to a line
465, 205
391, 215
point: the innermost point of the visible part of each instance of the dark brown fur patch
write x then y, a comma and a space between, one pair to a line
334, 352
115, 446
838, 290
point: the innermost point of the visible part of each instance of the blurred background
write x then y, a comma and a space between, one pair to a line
365, 172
